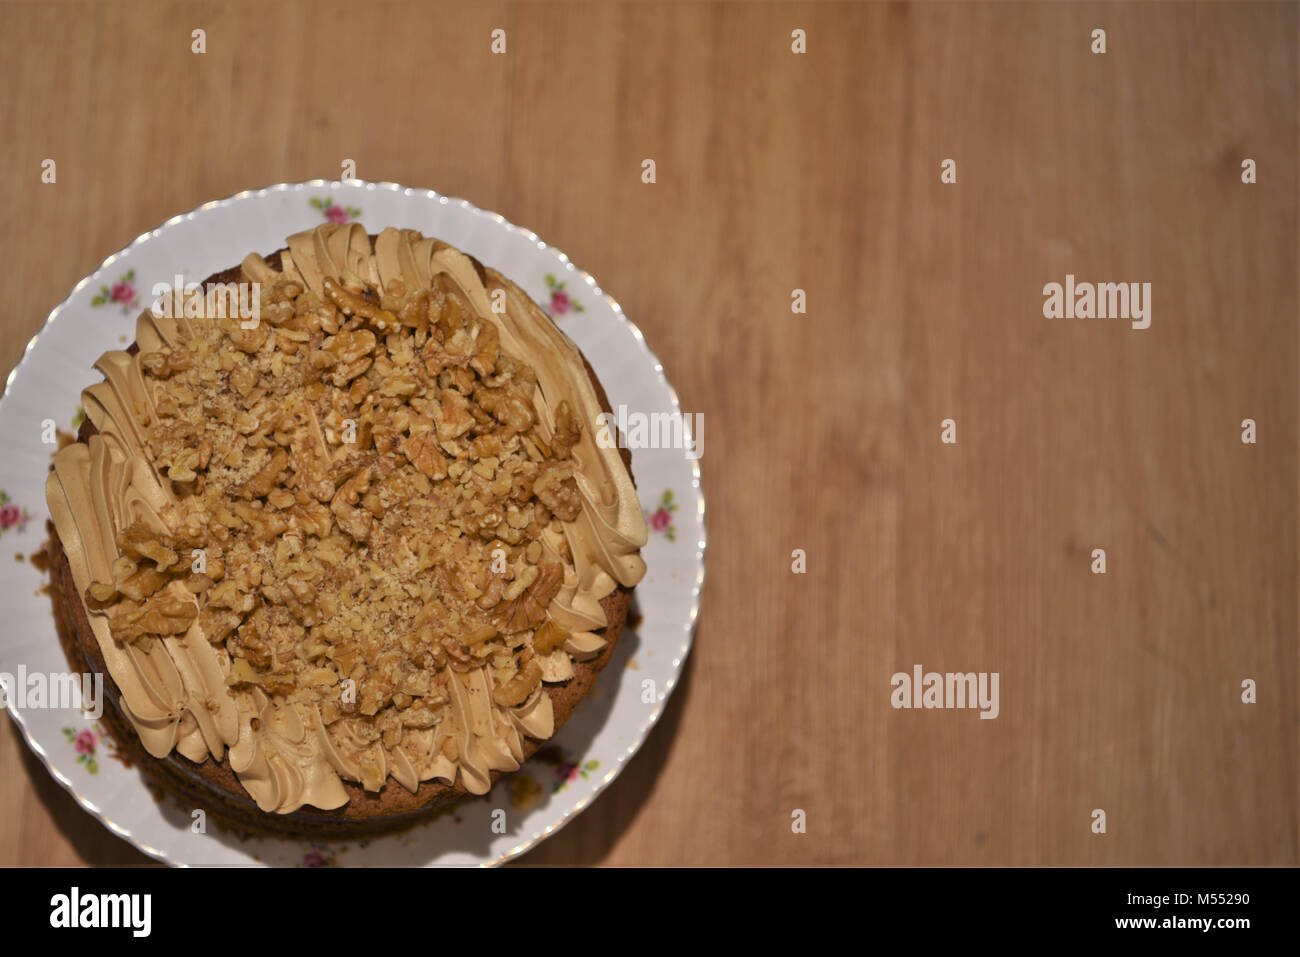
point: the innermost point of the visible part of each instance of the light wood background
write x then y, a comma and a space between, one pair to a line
821, 172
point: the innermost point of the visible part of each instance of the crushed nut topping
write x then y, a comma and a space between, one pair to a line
363, 483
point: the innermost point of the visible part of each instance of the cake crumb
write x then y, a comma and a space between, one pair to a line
40, 560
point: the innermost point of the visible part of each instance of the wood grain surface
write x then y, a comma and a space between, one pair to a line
821, 171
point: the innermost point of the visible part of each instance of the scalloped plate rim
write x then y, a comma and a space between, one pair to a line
681, 653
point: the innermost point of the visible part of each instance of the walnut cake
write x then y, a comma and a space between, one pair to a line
348, 563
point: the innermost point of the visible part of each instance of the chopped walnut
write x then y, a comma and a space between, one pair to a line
567, 431
528, 609
261, 484
549, 637
557, 490
517, 690
421, 450
164, 613
353, 520
362, 486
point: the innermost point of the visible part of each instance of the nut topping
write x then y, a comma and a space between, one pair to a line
362, 484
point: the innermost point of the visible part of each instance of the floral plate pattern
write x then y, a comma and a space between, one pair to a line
605, 731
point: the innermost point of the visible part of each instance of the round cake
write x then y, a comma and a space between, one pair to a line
345, 532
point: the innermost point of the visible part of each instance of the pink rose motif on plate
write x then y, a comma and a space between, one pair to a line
11, 515
85, 742
334, 212
566, 769
318, 857
561, 302
661, 519
122, 293
571, 771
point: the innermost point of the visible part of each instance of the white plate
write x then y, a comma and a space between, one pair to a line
606, 730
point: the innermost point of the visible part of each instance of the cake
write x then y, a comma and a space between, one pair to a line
346, 559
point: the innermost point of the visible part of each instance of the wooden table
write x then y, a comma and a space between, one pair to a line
822, 172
